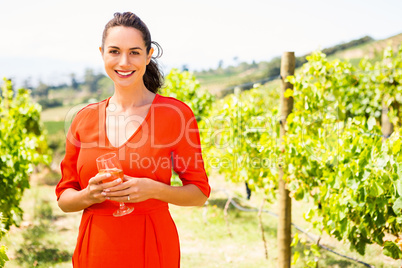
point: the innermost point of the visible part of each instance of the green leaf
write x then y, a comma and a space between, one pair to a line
291, 79
309, 214
380, 189
299, 194
397, 207
396, 147
399, 172
316, 250
392, 250
3, 256
296, 256
295, 240
399, 186
288, 93
371, 122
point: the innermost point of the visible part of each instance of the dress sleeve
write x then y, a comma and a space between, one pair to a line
69, 174
187, 157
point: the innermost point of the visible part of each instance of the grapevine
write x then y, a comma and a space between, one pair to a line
22, 145
335, 152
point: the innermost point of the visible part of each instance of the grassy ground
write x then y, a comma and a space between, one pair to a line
61, 113
204, 233
54, 127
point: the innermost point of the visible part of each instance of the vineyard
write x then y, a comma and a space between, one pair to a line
337, 154
334, 153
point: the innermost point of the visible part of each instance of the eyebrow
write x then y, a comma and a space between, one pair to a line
133, 48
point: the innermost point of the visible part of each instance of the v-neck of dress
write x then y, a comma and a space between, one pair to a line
135, 132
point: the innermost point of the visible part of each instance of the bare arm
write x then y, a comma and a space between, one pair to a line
72, 200
141, 189
188, 195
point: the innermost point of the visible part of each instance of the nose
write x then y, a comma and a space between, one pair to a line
124, 60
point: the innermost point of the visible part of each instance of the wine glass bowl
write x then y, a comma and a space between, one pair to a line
109, 163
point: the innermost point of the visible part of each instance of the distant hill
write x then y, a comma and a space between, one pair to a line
372, 50
245, 74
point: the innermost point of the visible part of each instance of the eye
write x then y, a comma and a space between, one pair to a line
135, 53
113, 51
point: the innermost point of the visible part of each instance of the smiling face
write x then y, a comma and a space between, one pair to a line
125, 57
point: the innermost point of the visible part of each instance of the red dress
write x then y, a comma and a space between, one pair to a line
167, 138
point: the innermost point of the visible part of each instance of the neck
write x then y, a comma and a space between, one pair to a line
127, 98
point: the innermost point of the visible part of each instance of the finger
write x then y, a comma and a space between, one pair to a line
112, 183
116, 187
99, 178
127, 178
123, 199
116, 193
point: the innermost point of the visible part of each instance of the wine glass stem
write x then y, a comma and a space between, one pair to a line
122, 205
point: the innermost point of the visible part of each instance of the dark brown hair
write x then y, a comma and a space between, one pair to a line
153, 78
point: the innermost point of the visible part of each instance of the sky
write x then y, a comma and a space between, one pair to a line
47, 40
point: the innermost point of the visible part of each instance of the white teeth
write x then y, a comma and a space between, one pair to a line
124, 73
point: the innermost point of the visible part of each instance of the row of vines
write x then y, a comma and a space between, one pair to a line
22, 145
334, 152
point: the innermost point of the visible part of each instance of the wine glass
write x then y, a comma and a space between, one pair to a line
109, 163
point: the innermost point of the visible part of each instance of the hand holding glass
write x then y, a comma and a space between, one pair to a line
109, 163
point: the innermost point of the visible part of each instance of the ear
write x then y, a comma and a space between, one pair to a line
101, 51
151, 51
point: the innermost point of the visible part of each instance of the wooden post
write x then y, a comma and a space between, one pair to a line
285, 204
386, 126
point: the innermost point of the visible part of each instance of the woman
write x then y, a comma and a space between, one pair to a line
151, 134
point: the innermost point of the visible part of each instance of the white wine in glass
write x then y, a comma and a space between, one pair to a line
109, 163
